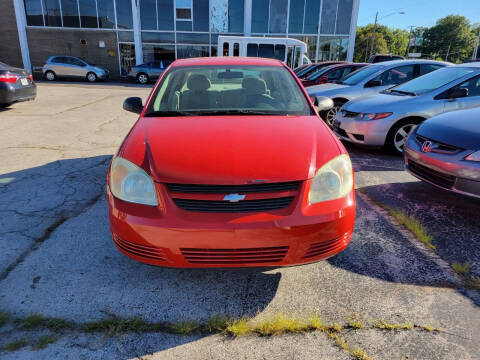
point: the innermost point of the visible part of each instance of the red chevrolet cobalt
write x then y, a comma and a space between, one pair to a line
229, 165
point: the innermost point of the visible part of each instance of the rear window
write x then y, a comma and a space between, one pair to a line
211, 90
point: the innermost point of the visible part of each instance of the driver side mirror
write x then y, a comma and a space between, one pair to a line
458, 93
374, 83
322, 103
133, 104
323, 80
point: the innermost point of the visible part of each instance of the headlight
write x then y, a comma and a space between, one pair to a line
332, 181
375, 116
130, 183
474, 156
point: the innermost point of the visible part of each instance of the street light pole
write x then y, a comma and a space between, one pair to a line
475, 51
373, 34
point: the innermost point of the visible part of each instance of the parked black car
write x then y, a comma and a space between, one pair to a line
15, 85
144, 73
380, 58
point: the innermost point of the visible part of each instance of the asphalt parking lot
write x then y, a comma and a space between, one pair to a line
57, 258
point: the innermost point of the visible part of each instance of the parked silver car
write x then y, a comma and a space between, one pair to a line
144, 73
63, 66
370, 80
445, 151
386, 119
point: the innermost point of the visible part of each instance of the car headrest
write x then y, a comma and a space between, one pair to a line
254, 86
198, 83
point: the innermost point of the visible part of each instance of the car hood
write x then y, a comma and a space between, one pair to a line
327, 89
457, 128
378, 103
230, 149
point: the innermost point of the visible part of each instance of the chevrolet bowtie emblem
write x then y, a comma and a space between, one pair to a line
233, 197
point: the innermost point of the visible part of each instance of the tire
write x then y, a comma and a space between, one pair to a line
398, 135
143, 78
92, 77
329, 115
50, 75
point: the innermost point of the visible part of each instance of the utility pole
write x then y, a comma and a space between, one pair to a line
409, 40
373, 34
475, 51
448, 50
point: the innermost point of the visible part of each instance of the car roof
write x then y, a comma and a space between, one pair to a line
471, 64
227, 60
408, 62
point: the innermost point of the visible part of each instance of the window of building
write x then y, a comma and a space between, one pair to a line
187, 51
278, 18
88, 13
329, 15
344, 17
184, 25
148, 14
124, 14
183, 9
158, 53
295, 22
192, 38
106, 14
165, 14
33, 10
235, 15
158, 37
200, 15
125, 36
312, 12
260, 14
51, 10
70, 13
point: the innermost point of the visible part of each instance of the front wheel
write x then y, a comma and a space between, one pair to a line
398, 134
50, 75
143, 78
329, 115
92, 77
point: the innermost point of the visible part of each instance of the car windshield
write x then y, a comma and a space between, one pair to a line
306, 70
357, 76
228, 90
317, 74
432, 80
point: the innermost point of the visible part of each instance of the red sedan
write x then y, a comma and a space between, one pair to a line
229, 165
331, 73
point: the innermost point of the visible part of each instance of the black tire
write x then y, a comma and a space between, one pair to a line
92, 77
398, 134
143, 78
50, 75
328, 115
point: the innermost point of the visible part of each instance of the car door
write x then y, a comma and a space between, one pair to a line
59, 65
472, 99
155, 69
77, 68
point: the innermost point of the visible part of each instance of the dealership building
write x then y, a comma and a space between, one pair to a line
120, 33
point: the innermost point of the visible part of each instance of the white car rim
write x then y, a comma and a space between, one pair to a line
50, 76
401, 136
91, 77
331, 115
142, 79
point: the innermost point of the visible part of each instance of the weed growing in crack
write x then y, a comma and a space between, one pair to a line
44, 341
15, 345
414, 226
3, 318
460, 268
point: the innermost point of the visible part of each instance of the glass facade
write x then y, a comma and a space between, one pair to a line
184, 28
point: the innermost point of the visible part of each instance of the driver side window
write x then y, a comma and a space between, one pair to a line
472, 85
396, 75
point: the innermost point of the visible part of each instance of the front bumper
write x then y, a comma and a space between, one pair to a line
447, 171
10, 93
171, 237
363, 132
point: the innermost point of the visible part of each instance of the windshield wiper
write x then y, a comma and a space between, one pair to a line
236, 112
402, 92
169, 113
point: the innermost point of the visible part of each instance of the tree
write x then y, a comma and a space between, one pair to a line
451, 39
387, 41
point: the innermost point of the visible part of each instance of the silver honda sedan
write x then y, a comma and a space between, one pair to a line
386, 119
445, 151
73, 67
371, 80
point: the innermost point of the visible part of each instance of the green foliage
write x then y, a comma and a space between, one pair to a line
387, 41
15, 345
3, 318
44, 341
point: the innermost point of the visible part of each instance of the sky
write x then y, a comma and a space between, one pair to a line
417, 12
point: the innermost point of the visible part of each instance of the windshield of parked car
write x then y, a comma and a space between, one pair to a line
358, 76
432, 80
228, 90
306, 70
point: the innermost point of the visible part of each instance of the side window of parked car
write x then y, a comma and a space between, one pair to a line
396, 75
426, 68
58, 60
472, 85
335, 74
75, 62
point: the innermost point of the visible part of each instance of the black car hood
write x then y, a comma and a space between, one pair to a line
457, 128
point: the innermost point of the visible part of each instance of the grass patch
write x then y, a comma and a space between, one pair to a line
32, 321
382, 324
238, 327
356, 352
186, 327
37, 320
15, 345
355, 324
117, 326
3, 318
431, 328
280, 324
414, 226
44, 341
360, 354
215, 324
460, 268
